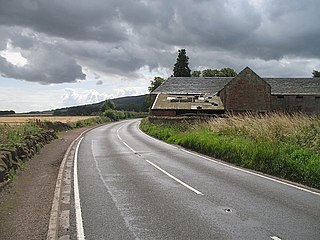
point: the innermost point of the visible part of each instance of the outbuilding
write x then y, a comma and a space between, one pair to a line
247, 92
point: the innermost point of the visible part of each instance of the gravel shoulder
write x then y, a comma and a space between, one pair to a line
25, 204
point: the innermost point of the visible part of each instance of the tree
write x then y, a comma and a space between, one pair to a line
156, 82
196, 73
210, 73
108, 104
316, 73
181, 67
224, 72
227, 72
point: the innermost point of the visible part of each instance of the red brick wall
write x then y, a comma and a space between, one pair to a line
247, 92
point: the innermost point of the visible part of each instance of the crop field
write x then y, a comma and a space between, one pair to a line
18, 120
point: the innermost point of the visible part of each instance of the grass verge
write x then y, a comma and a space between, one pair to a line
280, 145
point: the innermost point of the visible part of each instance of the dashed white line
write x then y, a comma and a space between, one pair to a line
275, 238
80, 231
174, 178
131, 149
118, 133
165, 172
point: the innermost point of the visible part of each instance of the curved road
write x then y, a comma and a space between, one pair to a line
135, 187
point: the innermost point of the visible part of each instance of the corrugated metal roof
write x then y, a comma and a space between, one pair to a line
211, 85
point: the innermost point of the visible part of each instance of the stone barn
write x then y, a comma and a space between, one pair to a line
247, 92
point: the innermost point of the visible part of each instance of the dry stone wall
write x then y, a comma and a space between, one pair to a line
12, 158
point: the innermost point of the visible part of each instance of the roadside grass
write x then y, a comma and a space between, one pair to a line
10, 135
285, 146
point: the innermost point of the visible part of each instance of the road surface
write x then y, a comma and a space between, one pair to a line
132, 186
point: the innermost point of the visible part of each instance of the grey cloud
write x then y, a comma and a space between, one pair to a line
100, 82
120, 37
45, 66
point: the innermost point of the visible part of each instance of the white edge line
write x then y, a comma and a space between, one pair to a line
79, 223
53, 221
174, 178
249, 172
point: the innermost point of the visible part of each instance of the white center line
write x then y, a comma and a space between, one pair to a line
275, 238
129, 147
174, 178
79, 223
118, 133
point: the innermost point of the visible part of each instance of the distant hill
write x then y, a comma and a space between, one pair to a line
132, 103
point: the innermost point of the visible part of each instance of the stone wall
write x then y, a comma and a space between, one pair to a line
309, 104
11, 158
246, 92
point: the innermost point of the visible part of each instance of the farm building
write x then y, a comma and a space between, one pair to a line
245, 92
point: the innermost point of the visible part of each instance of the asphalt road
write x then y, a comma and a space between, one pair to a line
135, 187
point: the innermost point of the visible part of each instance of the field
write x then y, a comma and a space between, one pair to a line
280, 145
20, 119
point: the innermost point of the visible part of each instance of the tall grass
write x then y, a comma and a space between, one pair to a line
277, 144
10, 135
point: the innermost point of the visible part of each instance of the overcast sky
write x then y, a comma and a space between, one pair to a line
56, 53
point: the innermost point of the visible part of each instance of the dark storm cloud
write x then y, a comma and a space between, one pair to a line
45, 66
119, 37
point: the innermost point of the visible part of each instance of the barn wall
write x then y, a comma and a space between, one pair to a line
309, 104
247, 92
158, 112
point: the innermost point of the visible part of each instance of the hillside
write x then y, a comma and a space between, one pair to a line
132, 103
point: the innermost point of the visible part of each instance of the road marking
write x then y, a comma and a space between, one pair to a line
165, 172
174, 178
79, 223
252, 173
118, 133
275, 238
131, 149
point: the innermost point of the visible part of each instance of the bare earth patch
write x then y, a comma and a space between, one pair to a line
25, 204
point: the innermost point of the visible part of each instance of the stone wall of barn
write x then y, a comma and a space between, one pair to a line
309, 104
247, 92
163, 112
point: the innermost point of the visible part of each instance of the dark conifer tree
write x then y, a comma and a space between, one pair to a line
181, 68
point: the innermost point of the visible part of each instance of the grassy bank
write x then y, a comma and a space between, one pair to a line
280, 145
